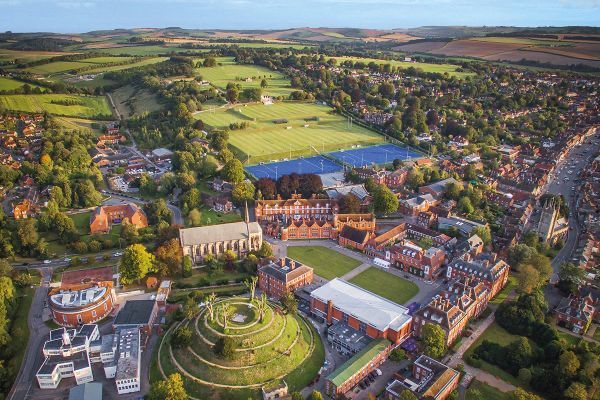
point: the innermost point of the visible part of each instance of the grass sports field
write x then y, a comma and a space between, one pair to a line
86, 106
266, 140
386, 285
327, 263
426, 67
228, 71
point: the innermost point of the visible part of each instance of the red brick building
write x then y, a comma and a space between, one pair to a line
413, 259
453, 308
277, 278
377, 317
577, 312
486, 266
76, 305
353, 237
429, 379
295, 208
106, 216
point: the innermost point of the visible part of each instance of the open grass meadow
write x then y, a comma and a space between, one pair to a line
386, 285
131, 101
151, 50
487, 392
426, 67
327, 263
57, 67
110, 68
27, 56
228, 71
287, 127
12, 84
58, 104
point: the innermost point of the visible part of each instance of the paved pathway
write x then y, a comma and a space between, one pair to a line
362, 267
468, 342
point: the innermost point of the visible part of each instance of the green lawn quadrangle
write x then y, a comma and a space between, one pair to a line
310, 128
83, 106
327, 263
386, 285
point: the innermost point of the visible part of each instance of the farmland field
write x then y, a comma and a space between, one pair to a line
140, 63
12, 84
85, 106
143, 50
426, 67
27, 56
55, 67
228, 71
265, 139
67, 66
106, 60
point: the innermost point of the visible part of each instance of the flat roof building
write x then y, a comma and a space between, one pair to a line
139, 314
341, 301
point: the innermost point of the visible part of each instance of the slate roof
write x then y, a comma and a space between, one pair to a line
217, 233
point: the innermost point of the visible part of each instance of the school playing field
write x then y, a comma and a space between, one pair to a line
84, 106
228, 71
267, 140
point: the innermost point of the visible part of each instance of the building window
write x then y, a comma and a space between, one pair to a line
79, 320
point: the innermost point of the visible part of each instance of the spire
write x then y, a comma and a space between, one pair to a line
247, 220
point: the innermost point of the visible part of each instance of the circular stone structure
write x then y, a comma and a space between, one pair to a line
267, 350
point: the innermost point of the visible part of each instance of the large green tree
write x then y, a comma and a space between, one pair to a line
135, 264
433, 338
169, 389
233, 171
384, 201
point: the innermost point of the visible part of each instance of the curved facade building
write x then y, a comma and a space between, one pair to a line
81, 304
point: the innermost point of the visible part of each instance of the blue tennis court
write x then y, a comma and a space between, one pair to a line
379, 154
310, 165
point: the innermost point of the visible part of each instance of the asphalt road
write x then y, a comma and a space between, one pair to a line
562, 182
38, 332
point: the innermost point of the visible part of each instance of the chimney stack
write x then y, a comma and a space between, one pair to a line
292, 264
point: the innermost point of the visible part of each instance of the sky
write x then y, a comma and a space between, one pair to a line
74, 16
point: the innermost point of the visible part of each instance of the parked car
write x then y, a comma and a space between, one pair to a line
47, 261
362, 385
